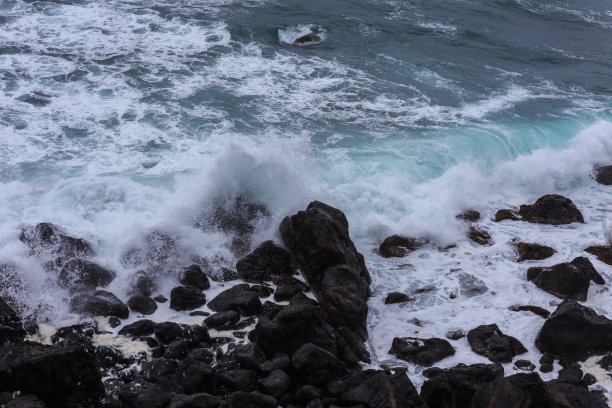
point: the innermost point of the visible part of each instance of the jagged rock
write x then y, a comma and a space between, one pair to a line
307, 39
455, 387
99, 303
186, 298
47, 237
11, 329
575, 331
479, 235
316, 366
319, 239
141, 284
222, 320
266, 260
603, 175
396, 297
533, 309
60, 376
469, 215
239, 298
505, 214
193, 276
603, 253
142, 304
489, 341
397, 246
79, 274
566, 280
421, 351
528, 251
551, 209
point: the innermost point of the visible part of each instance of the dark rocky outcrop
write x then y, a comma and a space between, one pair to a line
396, 297
194, 276
479, 235
137, 329
575, 331
603, 253
51, 239
141, 284
168, 332
455, 387
266, 260
239, 298
99, 303
530, 308
11, 329
566, 280
336, 272
285, 292
316, 366
528, 251
425, 352
489, 341
603, 175
397, 246
551, 209
142, 304
505, 214
469, 215
307, 39
222, 320
186, 298
79, 274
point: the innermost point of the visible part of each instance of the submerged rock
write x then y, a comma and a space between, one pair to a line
307, 39
469, 215
425, 352
479, 235
79, 274
575, 331
489, 341
530, 308
397, 246
529, 251
266, 260
99, 303
566, 280
551, 209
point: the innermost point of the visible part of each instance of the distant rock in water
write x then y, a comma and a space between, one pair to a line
397, 246
551, 209
603, 174
529, 251
489, 341
480, 235
307, 39
505, 214
425, 352
603, 253
469, 215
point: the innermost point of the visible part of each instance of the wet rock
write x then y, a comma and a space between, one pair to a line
505, 214
524, 365
99, 303
266, 260
49, 238
456, 386
141, 284
193, 276
286, 291
566, 280
551, 209
469, 215
168, 332
606, 362
222, 320
239, 298
60, 376
528, 251
200, 400
143, 394
194, 377
108, 357
160, 299
11, 329
276, 383
262, 291
533, 309
307, 39
186, 298
397, 246
250, 356
251, 400
114, 322
236, 379
199, 313
603, 175
421, 351
78, 335
489, 341
455, 334
316, 366
290, 280
79, 274
575, 331
224, 275
480, 236
319, 239
158, 368
137, 329
603, 253
158, 254
142, 304
302, 299
396, 297
470, 286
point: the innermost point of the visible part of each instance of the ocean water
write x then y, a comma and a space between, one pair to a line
119, 119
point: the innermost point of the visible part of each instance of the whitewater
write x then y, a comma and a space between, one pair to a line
121, 119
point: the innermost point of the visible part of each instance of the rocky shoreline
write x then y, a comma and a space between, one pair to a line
305, 345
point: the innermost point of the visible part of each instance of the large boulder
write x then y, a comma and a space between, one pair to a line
603, 175
575, 331
527, 251
142, 304
239, 298
186, 298
421, 351
47, 238
551, 209
194, 276
79, 274
99, 303
489, 341
266, 260
397, 246
566, 280
11, 329
60, 376
336, 272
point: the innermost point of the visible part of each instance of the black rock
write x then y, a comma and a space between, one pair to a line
114, 322
251, 400
316, 366
78, 335
302, 299
186, 298
455, 387
157, 254
262, 291
455, 334
99, 303
195, 377
469, 215
250, 356
279, 361
396, 297
479, 235
200, 400
168, 332
199, 313
606, 362
505, 214
158, 368
307, 39
79, 274
530, 308
236, 379
60, 376
319, 239
11, 329
47, 237
193, 276
489, 341
224, 274
276, 383
566, 280
138, 329
551, 209
575, 331
266, 260
223, 320
239, 298
143, 394
142, 304
160, 299
528, 251
397, 246
108, 357
524, 365
286, 291
421, 351
602, 252
308, 393
603, 175
141, 284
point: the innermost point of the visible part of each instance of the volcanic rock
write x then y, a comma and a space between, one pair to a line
603, 175
397, 246
316, 366
551, 209
566, 280
479, 235
396, 297
528, 251
99, 303
421, 351
186, 298
141, 284
142, 304
469, 215
47, 237
193, 276
489, 341
266, 260
222, 320
307, 38
11, 329
603, 253
530, 308
137, 329
505, 214
239, 298
79, 274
